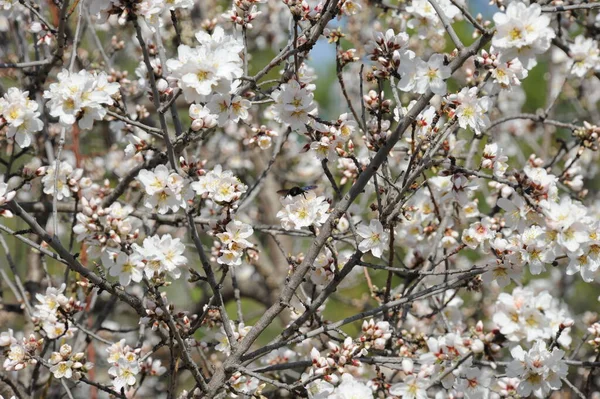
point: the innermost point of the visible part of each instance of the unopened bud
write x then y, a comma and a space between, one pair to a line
567, 323
162, 85
477, 346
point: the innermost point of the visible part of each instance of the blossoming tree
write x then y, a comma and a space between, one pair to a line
299, 198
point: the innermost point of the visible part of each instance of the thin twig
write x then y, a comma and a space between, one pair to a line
447, 24
155, 94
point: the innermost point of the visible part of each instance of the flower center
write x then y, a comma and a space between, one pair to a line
202, 75
516, 34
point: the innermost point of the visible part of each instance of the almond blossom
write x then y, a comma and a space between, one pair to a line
412, 388
228, 107
471, 110
65, 184
234, 242
202, 118
239, 332
200, 70
494, 159
126, 267
5, 197
375, 239
522, 32
351, 388
420, 76
160, 255
585, 55
69, 365
124, 373
426, 19
324, 268
539, 370
243, 384
293, 105
80, 97
377, 333
525, 315
165, 190
53, 310
20, 353
220, 186
473, 382
22, 116
303, 211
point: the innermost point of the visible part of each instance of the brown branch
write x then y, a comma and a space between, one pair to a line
297, 277
75, 265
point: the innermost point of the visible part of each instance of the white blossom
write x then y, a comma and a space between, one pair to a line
375, 239
6, 196
163, 254
539, 370
303, 211
522, 32
80, 97
293, 105
351, 388
471, 111
418, 76
125, 267
585, 54
124, 373
66, 182
494, 159
228, 108
200, 70
239, 333
165, 190
413, 387
525, 315
202, 118
21, 114
426, 20
234, 242
220, 186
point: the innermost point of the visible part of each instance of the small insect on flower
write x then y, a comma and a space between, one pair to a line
294, 191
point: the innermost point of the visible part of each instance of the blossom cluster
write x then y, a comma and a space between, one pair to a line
538, 370
157, 256
69, 365
19, 353
210, 67
80, 97
165, 190
21, 115
234, 242
60, 179
525, 315
125, 365
300, 198
303, 211
294, 105
53, 312
221, 186
105, 227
